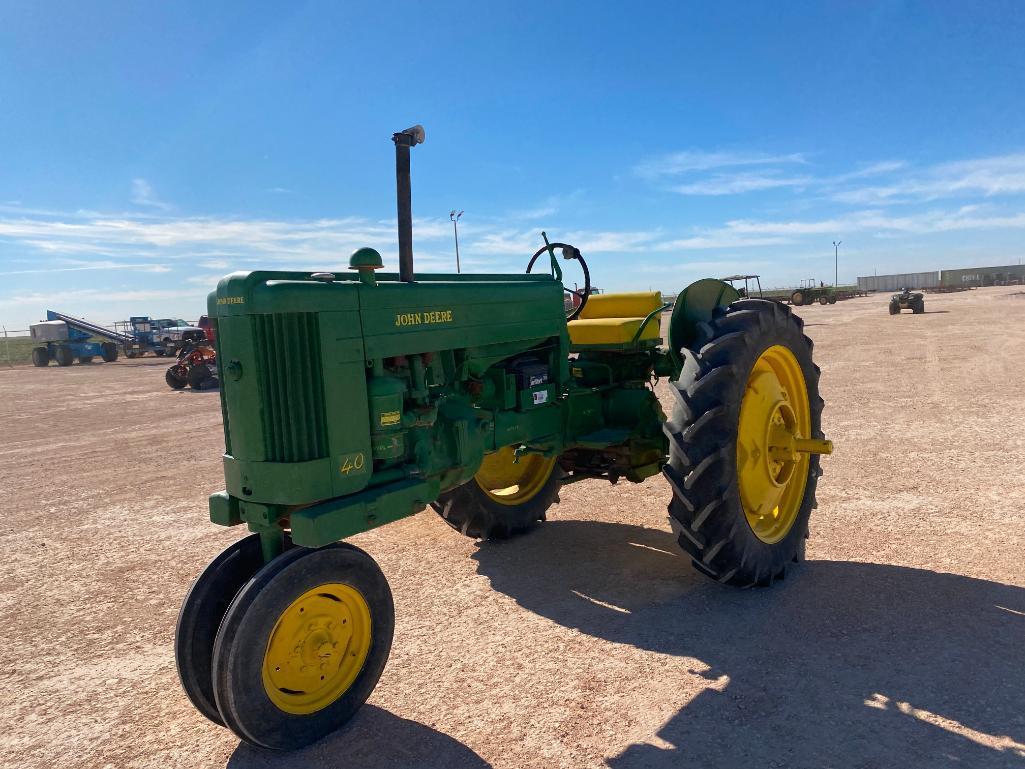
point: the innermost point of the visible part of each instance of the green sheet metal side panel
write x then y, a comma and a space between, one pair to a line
294, 389
404, 319
346, 407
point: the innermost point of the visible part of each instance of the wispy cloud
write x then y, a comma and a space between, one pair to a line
679, 163
988, 177
73, 266
738, 183
143, 195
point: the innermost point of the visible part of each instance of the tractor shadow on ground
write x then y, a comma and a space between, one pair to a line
374, 739
843, 664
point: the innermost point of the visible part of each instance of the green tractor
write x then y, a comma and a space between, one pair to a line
353, 400
809, 293
907, 300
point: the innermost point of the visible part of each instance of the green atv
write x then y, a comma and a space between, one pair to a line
907, 300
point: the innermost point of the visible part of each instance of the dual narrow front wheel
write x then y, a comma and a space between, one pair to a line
284, 653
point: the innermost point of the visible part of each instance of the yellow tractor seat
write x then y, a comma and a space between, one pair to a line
612, 320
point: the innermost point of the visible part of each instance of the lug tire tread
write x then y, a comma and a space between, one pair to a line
705, 512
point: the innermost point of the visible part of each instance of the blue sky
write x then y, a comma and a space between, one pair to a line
148, 149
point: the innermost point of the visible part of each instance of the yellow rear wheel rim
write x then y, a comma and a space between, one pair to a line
512, 483
772, 466
317, 648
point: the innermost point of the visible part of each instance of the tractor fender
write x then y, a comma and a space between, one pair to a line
695, 305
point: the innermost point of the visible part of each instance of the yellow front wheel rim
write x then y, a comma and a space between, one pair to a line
317, 648
510, 482
774, 444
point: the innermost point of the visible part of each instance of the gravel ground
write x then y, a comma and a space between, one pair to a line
590, 642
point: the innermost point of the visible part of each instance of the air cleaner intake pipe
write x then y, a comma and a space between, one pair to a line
404, 140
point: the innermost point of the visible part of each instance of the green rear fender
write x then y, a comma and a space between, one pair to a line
695, 305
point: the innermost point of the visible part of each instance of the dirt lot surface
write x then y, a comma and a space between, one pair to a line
591, 642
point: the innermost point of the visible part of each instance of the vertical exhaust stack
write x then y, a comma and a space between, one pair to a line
404, 140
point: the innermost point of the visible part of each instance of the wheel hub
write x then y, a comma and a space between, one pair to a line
773, 450
509, 480
317, 648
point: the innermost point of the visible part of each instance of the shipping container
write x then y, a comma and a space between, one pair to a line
985, 276
898, 281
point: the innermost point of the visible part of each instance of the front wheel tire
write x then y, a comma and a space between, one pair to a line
176, 377
201, 614
744, 436
302, 646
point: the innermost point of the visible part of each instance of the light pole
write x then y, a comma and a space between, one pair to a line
836, 262
455, 231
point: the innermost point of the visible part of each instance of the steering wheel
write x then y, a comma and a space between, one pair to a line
568, 252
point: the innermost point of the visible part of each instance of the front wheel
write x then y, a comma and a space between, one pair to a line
176, 376
40, 357
505, 498
201, 614
744, 439
302, 646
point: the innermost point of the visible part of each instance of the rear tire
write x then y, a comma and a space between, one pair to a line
918, 308
707, 512
198, 374
40, 357
894, 309
797, 298
472, 511
201, 614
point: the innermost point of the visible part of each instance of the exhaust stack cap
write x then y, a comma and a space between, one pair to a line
411, 136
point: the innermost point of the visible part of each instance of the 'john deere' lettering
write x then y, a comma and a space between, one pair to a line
423, 318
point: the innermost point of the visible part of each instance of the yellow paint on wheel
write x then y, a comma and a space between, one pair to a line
509, 482
317, 648
774, 444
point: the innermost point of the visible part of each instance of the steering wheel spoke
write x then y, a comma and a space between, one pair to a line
569, 253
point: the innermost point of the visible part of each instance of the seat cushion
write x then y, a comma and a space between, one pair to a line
610, 331
611, 320
627, 305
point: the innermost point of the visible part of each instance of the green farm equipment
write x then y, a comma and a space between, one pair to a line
907, 300
809, 293
353, 400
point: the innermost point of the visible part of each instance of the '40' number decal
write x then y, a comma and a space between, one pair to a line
352, 462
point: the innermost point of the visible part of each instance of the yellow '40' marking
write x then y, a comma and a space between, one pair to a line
352, 462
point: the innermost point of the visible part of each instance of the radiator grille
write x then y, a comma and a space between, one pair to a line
291, 386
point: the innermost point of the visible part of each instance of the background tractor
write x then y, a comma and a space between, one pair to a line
353, 400
811, 292
907, 300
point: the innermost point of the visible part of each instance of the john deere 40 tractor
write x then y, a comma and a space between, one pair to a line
351, 400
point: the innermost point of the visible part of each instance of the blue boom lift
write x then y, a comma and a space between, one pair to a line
66, 339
